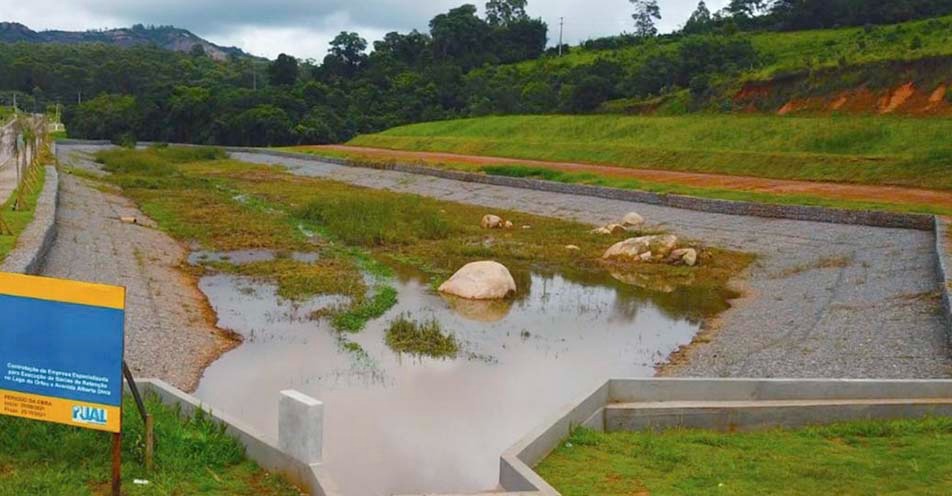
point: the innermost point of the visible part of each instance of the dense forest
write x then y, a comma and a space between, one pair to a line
465, 65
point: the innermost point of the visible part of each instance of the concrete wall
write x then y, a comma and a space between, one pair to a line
943, 249
727, 404
35, 241
311, 477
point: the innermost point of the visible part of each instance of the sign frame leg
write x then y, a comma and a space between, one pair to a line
117, 464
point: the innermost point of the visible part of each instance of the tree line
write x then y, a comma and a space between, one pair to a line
464, 65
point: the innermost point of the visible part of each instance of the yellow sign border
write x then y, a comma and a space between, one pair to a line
64, 291
57, 410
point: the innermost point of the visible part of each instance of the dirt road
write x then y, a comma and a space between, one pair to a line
836, 191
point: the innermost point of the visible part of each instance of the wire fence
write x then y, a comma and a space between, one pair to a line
22, 144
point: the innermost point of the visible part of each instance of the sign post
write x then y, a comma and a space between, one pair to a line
61, 349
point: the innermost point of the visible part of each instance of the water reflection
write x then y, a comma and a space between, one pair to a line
398, 424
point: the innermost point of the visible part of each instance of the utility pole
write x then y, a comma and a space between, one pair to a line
561, 29
15, 110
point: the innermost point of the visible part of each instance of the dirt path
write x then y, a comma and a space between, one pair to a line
837, 191
168, 334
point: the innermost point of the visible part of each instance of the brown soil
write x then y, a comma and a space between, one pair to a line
838, 191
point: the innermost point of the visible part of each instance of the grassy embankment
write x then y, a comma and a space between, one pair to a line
811, 50
225, 205
879, 151
855, 458
192, 456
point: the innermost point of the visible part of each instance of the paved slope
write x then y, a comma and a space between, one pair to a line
167, 333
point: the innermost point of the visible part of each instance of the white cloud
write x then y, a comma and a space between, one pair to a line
304, 27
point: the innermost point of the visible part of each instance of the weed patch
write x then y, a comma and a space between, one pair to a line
427, 338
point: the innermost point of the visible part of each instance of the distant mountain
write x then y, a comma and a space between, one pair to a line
167, 37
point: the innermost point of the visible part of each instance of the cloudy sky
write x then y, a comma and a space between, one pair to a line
304, 27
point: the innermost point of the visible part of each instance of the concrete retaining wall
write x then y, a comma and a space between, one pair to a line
258, 447
943, 249
35, 241
631, 404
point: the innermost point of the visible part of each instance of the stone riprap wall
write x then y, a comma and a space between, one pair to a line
35, 241
943, 248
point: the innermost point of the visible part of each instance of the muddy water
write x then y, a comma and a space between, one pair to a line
400, 424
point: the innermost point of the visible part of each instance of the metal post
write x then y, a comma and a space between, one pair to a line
149, 441
561, 27
117, 464
146, 418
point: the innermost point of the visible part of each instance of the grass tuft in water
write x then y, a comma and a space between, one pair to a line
426, 338
354, 318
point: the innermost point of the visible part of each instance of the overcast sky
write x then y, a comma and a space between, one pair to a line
303, 28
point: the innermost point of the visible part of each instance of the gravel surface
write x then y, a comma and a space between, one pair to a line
823, 300
167, 332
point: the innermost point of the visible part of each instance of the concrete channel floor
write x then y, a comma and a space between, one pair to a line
822, 300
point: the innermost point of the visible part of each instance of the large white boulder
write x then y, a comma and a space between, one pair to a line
632, 220
643, 248
481, 281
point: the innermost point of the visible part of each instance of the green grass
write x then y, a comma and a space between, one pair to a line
427, 338
224, 205
358, 222
855, 458
193, 455
19, 220
721, 194
785, 52
881, 151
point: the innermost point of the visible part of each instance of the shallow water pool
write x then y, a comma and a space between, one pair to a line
401, 424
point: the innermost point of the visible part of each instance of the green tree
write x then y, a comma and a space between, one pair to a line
646, 13
505, 12
700, 20
349, 48
283, 71
747, 8
460, 37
